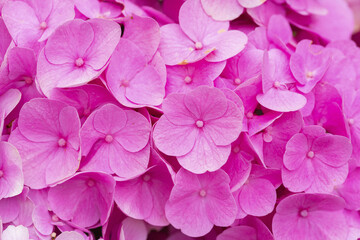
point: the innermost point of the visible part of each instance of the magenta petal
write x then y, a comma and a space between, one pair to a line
233, 233
296, 150
42, 220
109, 119
176, 111
305, 173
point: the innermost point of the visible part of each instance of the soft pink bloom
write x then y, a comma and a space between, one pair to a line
257, 196
198, 128
76, 53
315, 161
132, 81
116, 141
228, 10
98, 8
70, 235
306, 7
90, 195
48, 141
11, 176
310, 216
350, 190
144, 197
85, 98
309, 64
32, 21
276, 76
198, 36
183, 79
198, 202
15, 233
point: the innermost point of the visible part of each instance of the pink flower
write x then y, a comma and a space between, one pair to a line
315, 161
197, 37
115, 141
89, 193
48, 141
76, 53
131, 80
228, 10
309, 64
198, 202
11, 176
198, 128
144, 197
275, 77
32, 21
310, 216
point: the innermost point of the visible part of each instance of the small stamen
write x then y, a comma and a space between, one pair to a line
79, 62
55, 218
187, 79
310, 154
146, 178
53, 235
28, 80
249, 115
237, 81
277, 84
91, 183
109, 138
199, 123
309, 75
198, 46
124, 83
62, 142
202, 193
304, 213
43, 25
351, 121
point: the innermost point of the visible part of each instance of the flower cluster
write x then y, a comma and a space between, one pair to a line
179, 119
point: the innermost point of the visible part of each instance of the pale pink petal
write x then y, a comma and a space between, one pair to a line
42, 220
176, 112
222, 11
251, 3
172, 139
196, 24
15, 233
296, 151
258, 197
109, 119
299, 179
70, 235
133, 229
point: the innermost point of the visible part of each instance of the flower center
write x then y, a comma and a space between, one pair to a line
90, 183
304, 213
79, 62
146, 178
237, 81
198, 46
351, 121
277, 84
109, 138
236, 149
43, 25
199, 123
55, 218
309, 75
86, 112
249, 115
62, 142
202, 193
53, 235
310, 154
187, 79
28, 80
1, 173
124, 83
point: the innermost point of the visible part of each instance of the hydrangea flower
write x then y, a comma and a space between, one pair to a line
11, 176
32, 21
115, 141
315, 161
47, 138
198, 36
76, 53
198, 202
198, 128
310, 216
90, 194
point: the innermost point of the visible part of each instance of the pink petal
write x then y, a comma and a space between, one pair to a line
70, 235
258, 197
196, 24
299, 179
109, 119
233, 233
251, 3
15, 233
281, 100
296, 151
42, 220
222, 11
172, 139
176, 111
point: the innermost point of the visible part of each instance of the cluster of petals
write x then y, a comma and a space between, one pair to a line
179, 119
